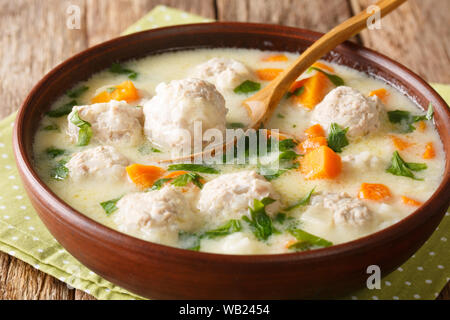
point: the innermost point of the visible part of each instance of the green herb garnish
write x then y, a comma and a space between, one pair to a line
110, 205
235, 125
247, 86
85, 130
307, 241
77, 92
406, 120
52, 152
297, 92
147, 148
399, 167
337, 137
189, 241
192, 167
260, 222
280, 116
302, 202
60, 171
224, 230
184, 179
51, 127
117, 68
336, 80
111, 89
63, 110
159, 184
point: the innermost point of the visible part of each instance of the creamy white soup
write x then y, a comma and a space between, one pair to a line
354, 154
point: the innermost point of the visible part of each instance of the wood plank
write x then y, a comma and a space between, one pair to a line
34, 39
116, 16
417, 35
318, 15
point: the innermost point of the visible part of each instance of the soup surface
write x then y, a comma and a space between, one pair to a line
353, 154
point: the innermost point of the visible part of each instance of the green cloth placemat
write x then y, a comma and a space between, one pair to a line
24, 236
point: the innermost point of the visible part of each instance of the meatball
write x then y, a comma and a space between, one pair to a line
349, 109
102, 162
230, 195
171, 114
224, 73
153, 214
113, 123
346, 210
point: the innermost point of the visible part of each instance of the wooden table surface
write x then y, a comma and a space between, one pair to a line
34, 38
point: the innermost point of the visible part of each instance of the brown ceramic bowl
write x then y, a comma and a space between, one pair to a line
157, 271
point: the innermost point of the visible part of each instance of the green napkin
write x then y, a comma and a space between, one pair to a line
24, 236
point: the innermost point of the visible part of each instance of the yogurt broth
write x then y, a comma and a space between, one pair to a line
344, 155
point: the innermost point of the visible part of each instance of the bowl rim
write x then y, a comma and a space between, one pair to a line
82, 223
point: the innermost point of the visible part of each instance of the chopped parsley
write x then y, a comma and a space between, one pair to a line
159, 183
235, 125
119, 69
110, 205
111, 89
52, 152
302, 202
247, 86
260, 223
60, 171
147, 148
280, 116
307, 241
189, 241
405, 120
228, 228
51, 127
77, 92
337, 137
336, 80
85, 130
297, 92
184, 179
64, 110
399, 167
192, 167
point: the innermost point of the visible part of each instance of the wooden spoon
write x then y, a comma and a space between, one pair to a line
262, 105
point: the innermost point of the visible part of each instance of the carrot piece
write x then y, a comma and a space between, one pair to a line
124, 91
297, 84
321, 163
276, 57
290, 243
322, 66
268, 74
316, 87
315, 131
400, 144
381, 93
311, 144
174, 174
422, 126
429, 153
411, 202
374, 191
103, 96
144, 176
